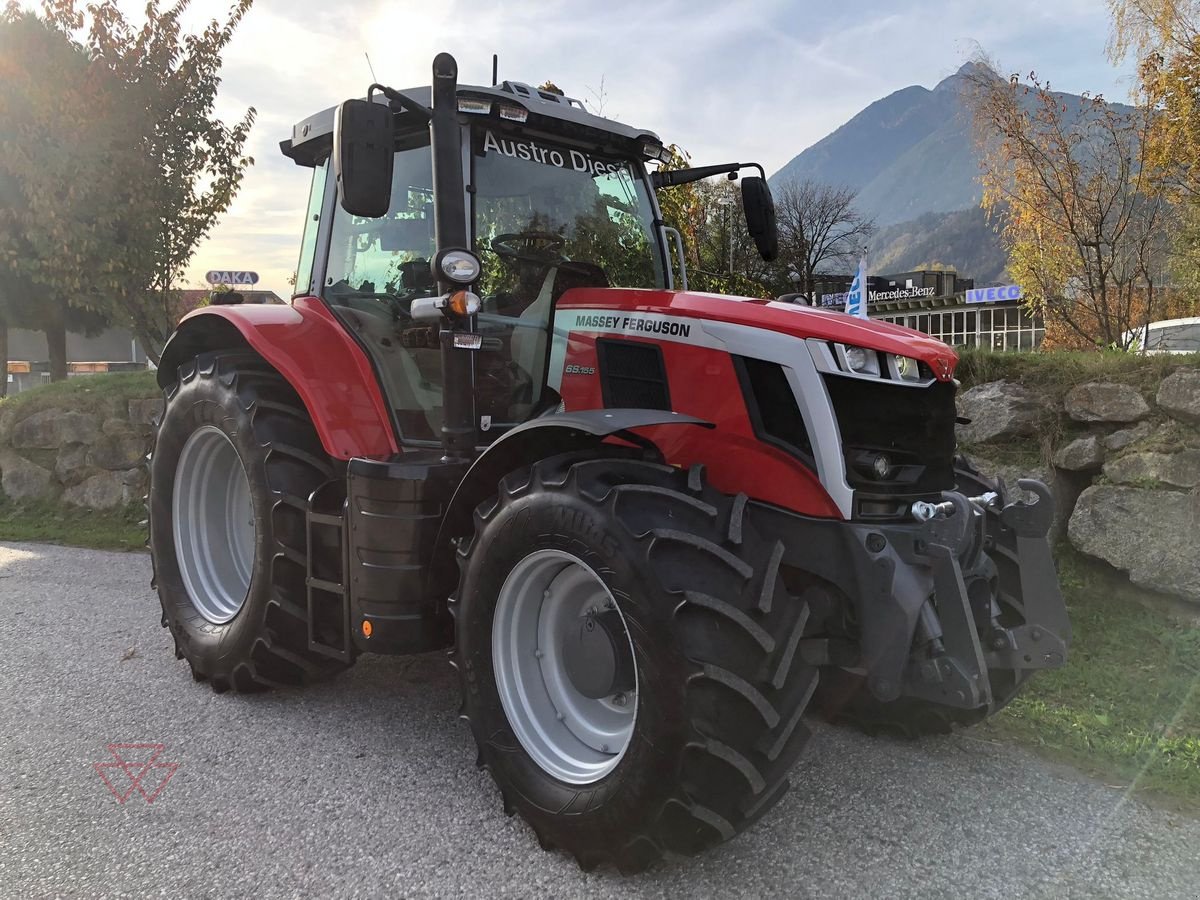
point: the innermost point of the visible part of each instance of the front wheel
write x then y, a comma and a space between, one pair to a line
626, 648
234, 461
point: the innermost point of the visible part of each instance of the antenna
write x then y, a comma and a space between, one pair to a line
370, 67
495, 68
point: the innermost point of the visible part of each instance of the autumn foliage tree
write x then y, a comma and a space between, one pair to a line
1164, 38
1085, 222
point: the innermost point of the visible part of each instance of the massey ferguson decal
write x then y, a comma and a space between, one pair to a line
634, 324
672, 328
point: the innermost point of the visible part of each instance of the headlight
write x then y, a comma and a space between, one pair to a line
861, 361
907, 368
459, 266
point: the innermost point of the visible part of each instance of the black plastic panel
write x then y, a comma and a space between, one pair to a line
394, 510
632, 375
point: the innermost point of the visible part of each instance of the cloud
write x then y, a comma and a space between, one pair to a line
755, 81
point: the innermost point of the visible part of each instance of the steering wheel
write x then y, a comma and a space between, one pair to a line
542, 247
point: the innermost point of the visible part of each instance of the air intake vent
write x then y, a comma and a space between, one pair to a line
772, 406
632, 375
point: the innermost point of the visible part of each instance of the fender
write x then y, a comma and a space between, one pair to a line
311, 349
533, 440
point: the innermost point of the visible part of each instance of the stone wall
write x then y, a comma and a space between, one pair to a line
1124, 464
92, 457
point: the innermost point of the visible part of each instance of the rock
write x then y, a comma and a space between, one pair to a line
1000, 409
71, 461
22, 480
1119, 440
145, 412
1184, 469
122, 450
1100, 401
103, 490
1179, 395
1176, 469
51, 428
1083, 454
1149, 534
135, 484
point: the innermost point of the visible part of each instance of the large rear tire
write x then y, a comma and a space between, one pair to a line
703, 722
234, 461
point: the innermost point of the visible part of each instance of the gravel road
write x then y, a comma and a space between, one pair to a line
366, 786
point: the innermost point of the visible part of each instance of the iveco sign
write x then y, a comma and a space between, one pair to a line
231, 277
994, 294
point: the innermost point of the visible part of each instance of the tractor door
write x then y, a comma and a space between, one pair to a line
546, 217
375, 269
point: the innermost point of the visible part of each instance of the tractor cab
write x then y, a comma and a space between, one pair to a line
552, 198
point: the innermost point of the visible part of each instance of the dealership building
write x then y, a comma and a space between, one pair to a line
943, 305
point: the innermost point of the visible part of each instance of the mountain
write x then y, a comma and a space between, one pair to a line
908, 154
963, 238
913, 161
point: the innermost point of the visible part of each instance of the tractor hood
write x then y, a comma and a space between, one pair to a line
785, 318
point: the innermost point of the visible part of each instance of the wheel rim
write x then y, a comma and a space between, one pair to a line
545, 601
213, 519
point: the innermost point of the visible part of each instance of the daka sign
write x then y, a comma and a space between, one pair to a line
230, 277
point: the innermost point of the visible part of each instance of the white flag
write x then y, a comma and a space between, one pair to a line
856, 299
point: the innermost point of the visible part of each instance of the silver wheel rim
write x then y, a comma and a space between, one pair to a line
575, 738
212, 516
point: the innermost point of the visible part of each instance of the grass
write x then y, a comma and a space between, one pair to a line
103, 394
48, 522
1126, 708
1058, 372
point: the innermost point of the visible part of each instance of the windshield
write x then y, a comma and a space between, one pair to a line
1174, 337
540, 205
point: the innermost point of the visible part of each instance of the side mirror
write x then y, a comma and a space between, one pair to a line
760, 216
363, 147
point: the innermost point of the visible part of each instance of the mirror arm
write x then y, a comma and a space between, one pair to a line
401, 100
687, 176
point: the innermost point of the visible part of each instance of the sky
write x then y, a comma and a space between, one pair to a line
755, 80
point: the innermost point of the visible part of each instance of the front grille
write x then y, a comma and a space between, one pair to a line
912, 426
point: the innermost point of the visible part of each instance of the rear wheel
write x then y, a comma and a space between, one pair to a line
626, 648
234, 461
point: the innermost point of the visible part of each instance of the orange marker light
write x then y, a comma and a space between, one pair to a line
367, 628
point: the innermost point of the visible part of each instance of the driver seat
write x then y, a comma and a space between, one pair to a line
529, 337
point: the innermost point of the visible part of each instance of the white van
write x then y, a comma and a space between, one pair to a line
1167, 336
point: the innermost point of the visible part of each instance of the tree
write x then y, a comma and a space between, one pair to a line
1164, 36
56, 175
719, 253
180, 167
819, 228
1085, 222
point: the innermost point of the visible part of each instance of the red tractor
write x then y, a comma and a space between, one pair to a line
652, 527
